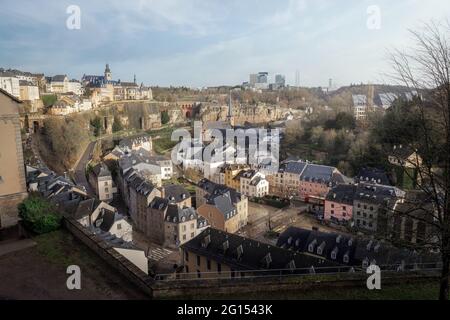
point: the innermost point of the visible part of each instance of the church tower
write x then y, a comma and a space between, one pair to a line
108, 75
230, 116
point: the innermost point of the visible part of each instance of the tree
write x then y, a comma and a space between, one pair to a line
425, 70
96, 124
39, 214
165, 117
117, 125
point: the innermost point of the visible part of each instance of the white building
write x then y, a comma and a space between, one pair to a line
253, 184
10, 85
28, 91
360, 106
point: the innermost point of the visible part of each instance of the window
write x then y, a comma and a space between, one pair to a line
332, 211
106, 183
187, 269
208, 264
219, 268
184, 236
119, 226
192, 235
192, 226
344, 208
183, 228
186, 256
199, 274
198, 261
106, 190
332, 205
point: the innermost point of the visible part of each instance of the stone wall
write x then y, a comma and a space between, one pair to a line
9, 213
110, 256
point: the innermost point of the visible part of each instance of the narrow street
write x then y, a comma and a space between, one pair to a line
79, 174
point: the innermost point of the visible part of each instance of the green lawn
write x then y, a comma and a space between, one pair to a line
61, 248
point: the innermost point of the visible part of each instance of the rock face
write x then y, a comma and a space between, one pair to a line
242, 114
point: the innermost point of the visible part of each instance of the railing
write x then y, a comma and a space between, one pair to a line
299, 272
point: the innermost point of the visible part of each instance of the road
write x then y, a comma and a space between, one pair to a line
80, 169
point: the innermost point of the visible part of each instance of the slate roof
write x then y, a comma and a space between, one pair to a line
294, 167
100, 170
176, 193
175, 214
159, 203
317, 173
212, 188
378, 194
373, 175
358, 250
359, 100
58, 78
246, 254
342, 193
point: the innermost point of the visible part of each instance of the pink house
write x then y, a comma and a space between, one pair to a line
339, 203
317, 180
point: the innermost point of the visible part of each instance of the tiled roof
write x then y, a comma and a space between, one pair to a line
246, 254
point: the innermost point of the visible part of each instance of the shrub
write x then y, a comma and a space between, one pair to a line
39, 215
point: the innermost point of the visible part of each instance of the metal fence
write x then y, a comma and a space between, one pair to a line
422, 268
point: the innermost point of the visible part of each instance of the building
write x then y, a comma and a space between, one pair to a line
339, 203
111, 90
136, 143
405, 157
28, 91
253, 184
223, 207
101, 179
177, 194
171, 225
372, 175
357, 253
144, 162
286, 182
316, 181
10, 84
232, 177
107, 220
216, 253
12, 168
370, 206
360, 107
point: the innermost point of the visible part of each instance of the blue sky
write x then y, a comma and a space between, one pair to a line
210, 42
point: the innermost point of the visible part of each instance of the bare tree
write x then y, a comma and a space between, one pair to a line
425, 70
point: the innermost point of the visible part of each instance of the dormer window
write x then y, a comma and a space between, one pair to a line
334, 253
206, 241
346, 258
267, 260
225, 246
312, 245
289, 241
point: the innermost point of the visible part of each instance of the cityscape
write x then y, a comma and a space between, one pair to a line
261, 178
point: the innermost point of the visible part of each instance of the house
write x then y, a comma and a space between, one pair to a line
253, 184
411, 221
351, 251
13, 187
286, 182
215, 253
177, 194
372, 175
58, 84
316, 181
171, 225
142, 161
108, 220
370, 206
232, 177
225, 209
10, 84
339, 203
28, 91
360, 106
136, 143
405, 157
101, 179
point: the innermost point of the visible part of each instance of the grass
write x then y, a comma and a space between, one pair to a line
61, 248
420, 290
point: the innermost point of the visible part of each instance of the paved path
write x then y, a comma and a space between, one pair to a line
80, 169
12, 246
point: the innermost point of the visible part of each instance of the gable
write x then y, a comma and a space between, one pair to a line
9, 105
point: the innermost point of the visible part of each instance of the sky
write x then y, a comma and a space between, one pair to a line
198, 43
